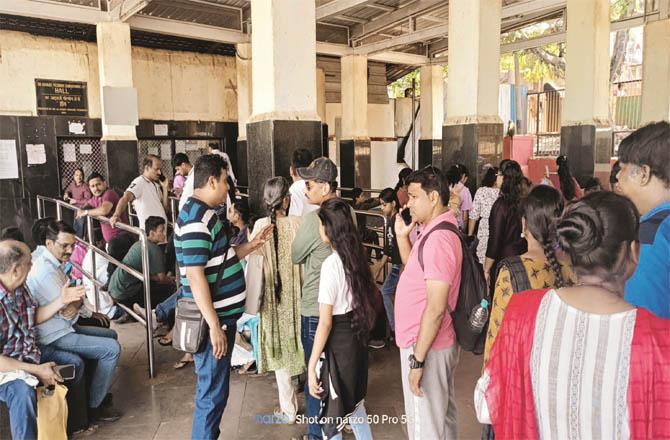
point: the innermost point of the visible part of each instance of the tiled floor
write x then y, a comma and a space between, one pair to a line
161, 408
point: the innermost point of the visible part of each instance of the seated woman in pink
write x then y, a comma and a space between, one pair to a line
581, 362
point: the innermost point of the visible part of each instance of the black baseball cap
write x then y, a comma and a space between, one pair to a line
321, 168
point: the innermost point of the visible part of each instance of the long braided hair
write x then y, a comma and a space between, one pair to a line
274, 193
541, 208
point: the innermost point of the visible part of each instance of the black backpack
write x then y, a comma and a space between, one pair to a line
470, 294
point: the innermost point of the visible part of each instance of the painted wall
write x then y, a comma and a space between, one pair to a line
171, 85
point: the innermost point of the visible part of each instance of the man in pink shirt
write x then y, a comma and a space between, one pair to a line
424, 331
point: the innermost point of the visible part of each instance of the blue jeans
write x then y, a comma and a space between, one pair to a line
21, 401
97, 344
60, 357
165, 310
388, 290
212, 386
359, 424
308, 326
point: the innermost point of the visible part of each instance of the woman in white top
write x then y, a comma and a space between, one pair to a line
346, 316
485, 197
581, 362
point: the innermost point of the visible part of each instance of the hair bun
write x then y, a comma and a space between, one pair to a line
580, 230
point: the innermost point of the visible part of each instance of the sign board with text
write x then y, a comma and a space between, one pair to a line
55, 97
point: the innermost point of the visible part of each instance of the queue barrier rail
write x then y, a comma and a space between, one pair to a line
143, 276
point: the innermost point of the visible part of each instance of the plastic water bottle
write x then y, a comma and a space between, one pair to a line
479, 316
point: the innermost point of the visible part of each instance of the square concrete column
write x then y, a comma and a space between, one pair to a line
431, 115
283, 74
244, 106
586, 134
656, 72
355, 144
118, 100
473, 131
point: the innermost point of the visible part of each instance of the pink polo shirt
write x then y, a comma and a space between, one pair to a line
442, 258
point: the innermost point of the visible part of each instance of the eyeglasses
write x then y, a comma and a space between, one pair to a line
65, 246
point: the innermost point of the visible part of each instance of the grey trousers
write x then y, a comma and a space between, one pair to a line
433, 416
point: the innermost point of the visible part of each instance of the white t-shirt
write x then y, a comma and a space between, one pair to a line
148, 199
299, 203
333, 287
227, 159
106, 302
187, 191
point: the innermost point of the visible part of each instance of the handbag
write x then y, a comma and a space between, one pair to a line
254, 282
51, 413
190, 328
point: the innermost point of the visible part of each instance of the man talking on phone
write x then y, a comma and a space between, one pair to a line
202, 246
19, 314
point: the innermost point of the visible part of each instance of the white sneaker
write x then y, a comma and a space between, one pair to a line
140, 311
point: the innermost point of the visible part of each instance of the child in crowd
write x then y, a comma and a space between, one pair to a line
346, 316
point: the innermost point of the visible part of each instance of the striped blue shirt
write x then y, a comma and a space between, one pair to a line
200, 241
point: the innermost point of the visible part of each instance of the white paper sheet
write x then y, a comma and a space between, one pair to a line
9, 164
85, 149
153, 150
36, 154
192, 146
160, 129
166, 150
69, 153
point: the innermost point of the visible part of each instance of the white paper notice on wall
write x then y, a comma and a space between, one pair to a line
160, 129
192, 146
69, 153
9, 164
85, 149
36, 154
166, 150
180, 146
152, 150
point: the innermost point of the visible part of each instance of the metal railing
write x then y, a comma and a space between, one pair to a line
544, 121
380, 233
143, 276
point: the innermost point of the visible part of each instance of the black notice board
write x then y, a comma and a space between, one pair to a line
56, 97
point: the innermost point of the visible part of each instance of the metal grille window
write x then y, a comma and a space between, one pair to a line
194, 148
74, 153
162, 148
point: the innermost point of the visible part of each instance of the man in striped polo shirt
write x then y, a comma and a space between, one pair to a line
202, 246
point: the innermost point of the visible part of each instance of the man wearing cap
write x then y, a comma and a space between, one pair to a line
308, 249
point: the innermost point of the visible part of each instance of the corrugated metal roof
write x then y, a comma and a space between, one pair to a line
203, 12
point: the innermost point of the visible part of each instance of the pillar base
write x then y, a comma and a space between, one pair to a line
122, 160
270, 145
355, 163
241, 172
430, 152
586, 146
473, 145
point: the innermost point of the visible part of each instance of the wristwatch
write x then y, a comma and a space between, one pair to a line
415, 364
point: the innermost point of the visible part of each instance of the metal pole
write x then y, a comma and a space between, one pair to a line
40, 208
147, 302
91, 241
413, 122
537, 125
59, 210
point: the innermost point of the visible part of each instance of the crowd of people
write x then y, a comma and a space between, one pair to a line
578, 282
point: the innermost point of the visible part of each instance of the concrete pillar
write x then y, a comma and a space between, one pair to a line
473, 132
283, 74
431, 115
118, 100
244, 103
355, 144
586, 134
656, 72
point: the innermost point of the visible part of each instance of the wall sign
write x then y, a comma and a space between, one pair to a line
55, 97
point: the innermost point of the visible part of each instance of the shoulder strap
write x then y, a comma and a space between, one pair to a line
518, 274
445, 225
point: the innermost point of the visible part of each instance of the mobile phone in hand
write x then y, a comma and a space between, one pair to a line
66, 372
406, 216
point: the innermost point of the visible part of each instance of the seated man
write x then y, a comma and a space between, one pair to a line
19, 314
45, 281
125, 288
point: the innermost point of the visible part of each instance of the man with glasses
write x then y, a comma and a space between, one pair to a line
46, 280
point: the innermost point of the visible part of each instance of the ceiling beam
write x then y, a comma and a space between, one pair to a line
410, 38
336, 7
391, 57
127, 8
187, 30
531, 43
399, 15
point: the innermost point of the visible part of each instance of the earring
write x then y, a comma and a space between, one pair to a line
523, 235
